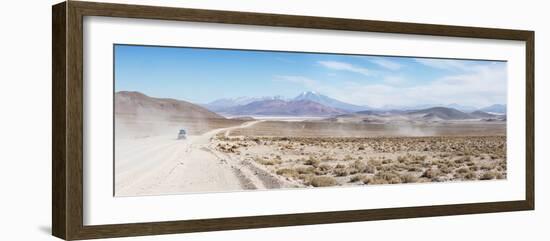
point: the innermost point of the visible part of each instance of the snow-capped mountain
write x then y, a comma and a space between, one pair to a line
497, 108
465, 108
327, 101
284, 108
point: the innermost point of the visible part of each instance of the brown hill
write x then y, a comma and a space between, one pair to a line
140, 105
443, 113
482, 114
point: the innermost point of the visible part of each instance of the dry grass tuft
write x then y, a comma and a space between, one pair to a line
267, 162
431, 173
287, 172
409, 178
312, 161
323, 181
356, 178
487, 176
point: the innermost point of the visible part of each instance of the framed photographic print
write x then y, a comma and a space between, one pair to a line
171, 120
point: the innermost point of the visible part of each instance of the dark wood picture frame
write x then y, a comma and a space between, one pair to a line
67, 123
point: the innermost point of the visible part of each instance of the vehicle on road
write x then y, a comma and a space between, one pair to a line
182, 134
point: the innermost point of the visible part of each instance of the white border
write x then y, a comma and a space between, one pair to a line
100, 207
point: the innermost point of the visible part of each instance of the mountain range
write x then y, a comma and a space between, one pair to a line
278, 105
325, 100
445, 113
497, 108
224, 103
305, 104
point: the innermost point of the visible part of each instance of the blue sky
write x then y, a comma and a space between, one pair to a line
203, 75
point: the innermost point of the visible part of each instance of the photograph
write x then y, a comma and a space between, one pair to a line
201, 120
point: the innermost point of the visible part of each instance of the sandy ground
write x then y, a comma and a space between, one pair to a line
154, 165
232, 155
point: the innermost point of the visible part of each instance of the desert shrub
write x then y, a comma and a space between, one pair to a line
374, 181
267, 162
463, 159
390, 177
408, 178
420, 158
312, 161
445, 169
356, 178
370, 169
430, 173
323, 181
357, 167
323, 169
469, 176
386, 168
444, 155
487, 166
287, 172
374, 162
340, 172
306, 178
487, 176
326, 158
465, 174
305, 170
414, 169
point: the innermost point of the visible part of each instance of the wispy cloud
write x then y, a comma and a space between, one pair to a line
445, 64
304, 81
482, 85
395, 80
387, 64
343, 66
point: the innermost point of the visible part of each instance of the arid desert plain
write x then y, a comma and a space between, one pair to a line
245, 150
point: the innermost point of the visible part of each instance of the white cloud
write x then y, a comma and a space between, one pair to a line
304, 81
343, 66
483, 85
387, 64
446, 64
395, 80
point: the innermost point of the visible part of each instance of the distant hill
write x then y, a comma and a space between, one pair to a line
463, 108
366, 112
136, 103
222, 104
497, 108
328, 101
442, 113
284, 108
482, 114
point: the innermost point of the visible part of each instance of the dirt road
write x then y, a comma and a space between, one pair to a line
164, 165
